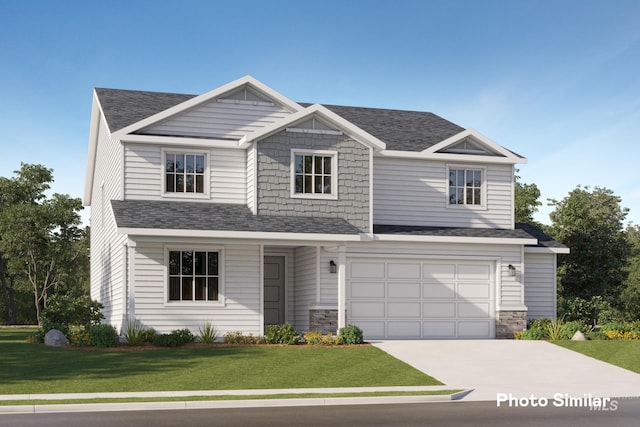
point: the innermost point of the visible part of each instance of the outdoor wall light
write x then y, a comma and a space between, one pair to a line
333, 268
512, 270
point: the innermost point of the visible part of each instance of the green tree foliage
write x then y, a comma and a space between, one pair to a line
630, 296
590, 223
526, 201
40, 236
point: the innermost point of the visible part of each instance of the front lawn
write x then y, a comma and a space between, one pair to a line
625, 354
35, 368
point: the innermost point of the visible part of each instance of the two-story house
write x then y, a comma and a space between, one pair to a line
245, 208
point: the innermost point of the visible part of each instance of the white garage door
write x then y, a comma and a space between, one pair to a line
407, 298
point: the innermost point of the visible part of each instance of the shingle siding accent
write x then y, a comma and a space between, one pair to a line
274, 178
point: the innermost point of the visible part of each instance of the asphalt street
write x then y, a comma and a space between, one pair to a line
476, 414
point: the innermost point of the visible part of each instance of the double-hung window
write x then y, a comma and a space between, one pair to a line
184, 173
314, 174
466, 186
194, 275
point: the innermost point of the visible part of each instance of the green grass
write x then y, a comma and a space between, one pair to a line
35, 368
625, 354
228, 397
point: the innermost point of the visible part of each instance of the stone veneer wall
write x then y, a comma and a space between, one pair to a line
325, 321
274, 178
508, 322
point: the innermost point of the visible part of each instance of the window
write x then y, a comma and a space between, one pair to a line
465, 186
184, 173
194, 275
314, 174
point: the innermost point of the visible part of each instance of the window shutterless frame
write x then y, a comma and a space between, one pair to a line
314, 174
194, 275
185, 173
466, 186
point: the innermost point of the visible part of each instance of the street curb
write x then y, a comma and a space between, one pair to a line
222, 404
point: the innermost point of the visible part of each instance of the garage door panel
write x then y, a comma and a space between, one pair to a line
474, 329
439, 290
367, 309
367, 289
403, 290
403, 270
439, 329
421, 298
367, 270
473, 309
438, 309
403, 309
403, 329
474, 290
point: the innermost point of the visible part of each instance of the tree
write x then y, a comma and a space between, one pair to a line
39, 235
527, 200
630, 295
590, 223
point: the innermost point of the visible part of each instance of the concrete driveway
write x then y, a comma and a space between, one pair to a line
518, 368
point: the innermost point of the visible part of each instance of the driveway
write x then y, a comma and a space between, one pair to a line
522, 368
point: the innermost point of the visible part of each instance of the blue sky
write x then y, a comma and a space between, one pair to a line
557, 81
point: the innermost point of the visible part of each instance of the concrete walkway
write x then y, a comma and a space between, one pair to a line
521, 368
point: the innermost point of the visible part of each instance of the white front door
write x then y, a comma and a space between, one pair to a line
273, 290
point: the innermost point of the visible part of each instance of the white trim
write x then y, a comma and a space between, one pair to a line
314, 131
327, 115
215, 93
478, 139
318, 281
334, 174
131, 285
453, 239
261, 292
371, 199
464, 158
221, 302
185, 195
96, 115
342, 287
483, 206
257, 235
285, 256
245, 102
181, 141
522, 271
540, 250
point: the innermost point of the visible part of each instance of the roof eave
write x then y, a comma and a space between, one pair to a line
254, 235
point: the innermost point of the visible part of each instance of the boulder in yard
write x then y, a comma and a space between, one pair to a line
578, 336
55, 338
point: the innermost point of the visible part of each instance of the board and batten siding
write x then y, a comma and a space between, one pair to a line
540, 285
415, 192
143, 173
220, 119
510, 293
241, 290
108, 252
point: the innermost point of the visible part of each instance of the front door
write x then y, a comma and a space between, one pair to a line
273, 290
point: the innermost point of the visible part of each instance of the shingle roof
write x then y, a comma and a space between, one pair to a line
400, 130
169, 215
544, 240
412, 230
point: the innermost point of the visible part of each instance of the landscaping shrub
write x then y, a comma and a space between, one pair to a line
175, 338
317, 338
236, 337
207, 334
79, 336
282, 334
103, 335
134, 333
620, 331
555, 330
351, 334
536, 333
570, 328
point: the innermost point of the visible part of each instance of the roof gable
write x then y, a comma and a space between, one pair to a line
470, 143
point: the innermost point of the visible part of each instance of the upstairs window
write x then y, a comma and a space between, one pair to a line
465, 186
184, 173
314, 174
194, 275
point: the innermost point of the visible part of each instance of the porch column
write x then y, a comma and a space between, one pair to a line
342, 287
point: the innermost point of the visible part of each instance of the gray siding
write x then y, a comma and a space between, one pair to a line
415, 192
227, 174
274, 178
540, 285
107, 246
241, 290
224, 119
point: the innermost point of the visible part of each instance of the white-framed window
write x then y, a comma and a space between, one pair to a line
466, 186
194, 275
314, 174
185, 173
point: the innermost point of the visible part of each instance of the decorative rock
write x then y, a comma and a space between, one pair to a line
55, 338
578, 336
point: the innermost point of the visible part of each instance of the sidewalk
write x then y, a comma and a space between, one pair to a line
231, 403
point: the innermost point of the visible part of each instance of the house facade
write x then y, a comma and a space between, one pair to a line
247, 209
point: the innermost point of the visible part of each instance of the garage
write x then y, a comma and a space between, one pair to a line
405, 298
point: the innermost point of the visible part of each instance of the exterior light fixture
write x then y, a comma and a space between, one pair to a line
333, 268
512, 270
